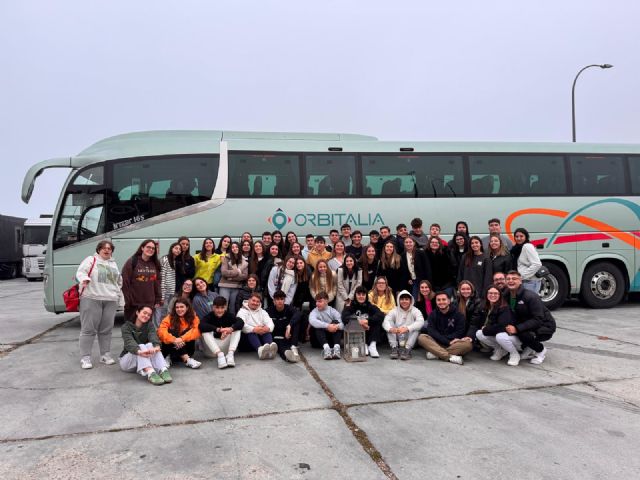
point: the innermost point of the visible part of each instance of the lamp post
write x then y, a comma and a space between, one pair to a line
573, 95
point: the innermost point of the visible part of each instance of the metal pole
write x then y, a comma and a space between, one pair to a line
573, 96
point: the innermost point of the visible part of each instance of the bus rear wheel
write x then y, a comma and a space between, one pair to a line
602, 285
554, 287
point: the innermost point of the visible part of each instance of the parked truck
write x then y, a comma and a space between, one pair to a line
34, 245
11, 234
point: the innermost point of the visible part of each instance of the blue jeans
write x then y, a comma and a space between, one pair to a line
533, 285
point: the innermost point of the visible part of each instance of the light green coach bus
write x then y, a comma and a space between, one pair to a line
578, 201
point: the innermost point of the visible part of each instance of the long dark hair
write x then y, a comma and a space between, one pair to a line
253, 259
468, 256
219, 249
500, 303
345, 270
364, 263
516, 250
189, 316
203, 253
171, 257
154, 258
233, 258
301, 275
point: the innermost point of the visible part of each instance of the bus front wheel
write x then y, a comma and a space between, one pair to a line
554, 287
602, 285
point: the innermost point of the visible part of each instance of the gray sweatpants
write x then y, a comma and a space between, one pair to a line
212, 345
411, 339
96, 318
130, 362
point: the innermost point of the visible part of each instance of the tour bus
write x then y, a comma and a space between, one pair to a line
578, 201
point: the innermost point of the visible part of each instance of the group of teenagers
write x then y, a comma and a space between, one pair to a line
272, 294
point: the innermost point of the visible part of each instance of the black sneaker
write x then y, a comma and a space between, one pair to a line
405, 354
394, 353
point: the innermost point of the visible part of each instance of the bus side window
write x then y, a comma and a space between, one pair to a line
597, 175
634, 169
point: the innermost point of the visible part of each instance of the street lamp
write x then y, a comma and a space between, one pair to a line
573, 95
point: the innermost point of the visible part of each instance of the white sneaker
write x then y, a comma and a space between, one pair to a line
326, 353
498, 354
514, 359
192, 363
431, 356
457, 359
263, 352
273, 350
373, 351
296, 353
167, 361
539, 358
222, 361
107, 359
231, 362
288, 354
336, 352
527, 353
85, 363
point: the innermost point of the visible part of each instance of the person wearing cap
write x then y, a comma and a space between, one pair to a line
318, 253
286, 320
369, 316
403, 324
443, 335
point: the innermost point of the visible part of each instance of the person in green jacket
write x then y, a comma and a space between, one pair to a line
142, 352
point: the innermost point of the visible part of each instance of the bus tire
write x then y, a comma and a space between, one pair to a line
554, 288
602, 285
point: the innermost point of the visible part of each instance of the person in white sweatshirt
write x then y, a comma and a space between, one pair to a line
327, 326
99, 283
282, 277
403, 324
526, 260
258, 327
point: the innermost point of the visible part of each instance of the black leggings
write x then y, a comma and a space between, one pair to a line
532, 340
323, 336
176, 353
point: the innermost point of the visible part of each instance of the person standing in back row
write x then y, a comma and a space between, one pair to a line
495, 228
141, 279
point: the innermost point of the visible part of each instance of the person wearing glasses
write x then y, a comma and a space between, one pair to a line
100, 282
141, 279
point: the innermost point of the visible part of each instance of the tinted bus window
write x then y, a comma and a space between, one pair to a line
330, 175
634, 169
264, 175
517, 175
412, 175
596, 175
146, 187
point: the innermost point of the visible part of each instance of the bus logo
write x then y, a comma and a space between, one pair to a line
279, 219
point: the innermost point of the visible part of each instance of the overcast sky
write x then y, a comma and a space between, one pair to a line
74, 72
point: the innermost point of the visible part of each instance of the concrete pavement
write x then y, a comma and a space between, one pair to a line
575, 416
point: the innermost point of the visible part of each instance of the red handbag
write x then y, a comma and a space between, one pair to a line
71, 296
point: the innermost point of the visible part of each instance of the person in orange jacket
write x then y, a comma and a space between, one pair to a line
178, 333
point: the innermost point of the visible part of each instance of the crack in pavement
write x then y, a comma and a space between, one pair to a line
359, 434
594, 351
600, 337
14, 346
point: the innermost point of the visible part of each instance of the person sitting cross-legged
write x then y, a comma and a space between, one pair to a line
442, 335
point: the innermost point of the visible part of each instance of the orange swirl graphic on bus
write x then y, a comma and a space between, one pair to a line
603, 230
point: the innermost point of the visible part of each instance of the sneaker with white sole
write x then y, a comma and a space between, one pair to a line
296, 353
431, 356
222, 361
273, 350
498, 354
457, 359
231, 362
539, 358
263, 352
514, 359
288, 354
527, 353
336, 352
168, 361
192, 363
85, 363
373, 351
107, 359
326, 353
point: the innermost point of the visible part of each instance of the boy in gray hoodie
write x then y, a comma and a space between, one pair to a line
328, 326
403, 324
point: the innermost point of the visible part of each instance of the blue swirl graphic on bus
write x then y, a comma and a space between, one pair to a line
279, 219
